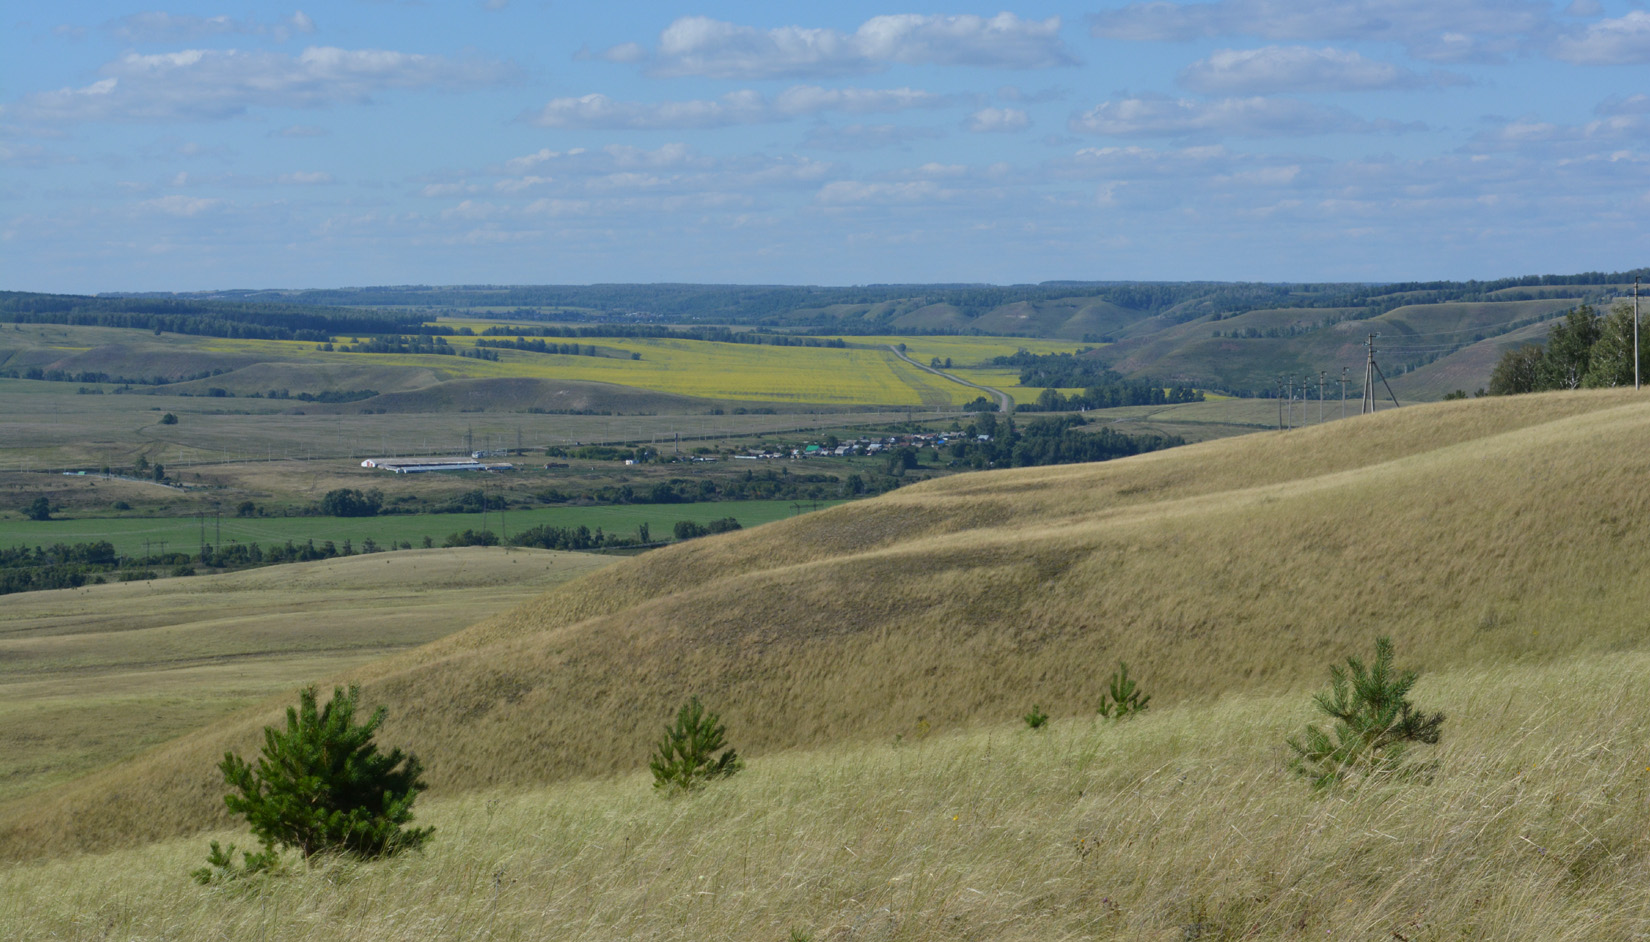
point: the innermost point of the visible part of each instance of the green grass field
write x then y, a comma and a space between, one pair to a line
130, 534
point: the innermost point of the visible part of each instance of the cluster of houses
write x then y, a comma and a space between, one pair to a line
864, 446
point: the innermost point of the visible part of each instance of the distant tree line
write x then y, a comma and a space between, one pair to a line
1103, 388
538, 345
251, 321
653, 331
1584, 350
424, 343
1053, 440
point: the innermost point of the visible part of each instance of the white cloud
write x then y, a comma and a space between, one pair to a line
849, 192
1161, 116
304, 178
300, 130
156, 26
1624, 40
625, 53
698, 45
1457, 31
1529, 135
1301, 69
202, 84
853, 137
988, 120
1632, 104
738, 107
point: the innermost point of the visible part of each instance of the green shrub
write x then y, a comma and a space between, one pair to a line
685, 758
321, 785
1374, 724
221, 867
1122, 699
1036, 719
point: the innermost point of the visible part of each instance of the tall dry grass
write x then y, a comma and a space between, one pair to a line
1180, 824
1483, 533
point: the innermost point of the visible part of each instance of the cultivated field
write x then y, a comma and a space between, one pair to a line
132, 535
47, 426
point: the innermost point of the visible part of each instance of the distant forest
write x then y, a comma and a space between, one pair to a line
799, 306
251, 321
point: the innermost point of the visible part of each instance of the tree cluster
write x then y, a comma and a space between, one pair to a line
1584, 350
1053, 440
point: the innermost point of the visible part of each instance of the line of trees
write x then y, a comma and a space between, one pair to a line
1583, 350
249, 321
1052, 440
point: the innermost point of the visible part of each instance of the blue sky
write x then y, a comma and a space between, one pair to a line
209, 146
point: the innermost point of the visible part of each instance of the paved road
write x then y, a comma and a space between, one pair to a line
1005, 402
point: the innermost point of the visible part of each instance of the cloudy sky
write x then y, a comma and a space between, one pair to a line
520, 141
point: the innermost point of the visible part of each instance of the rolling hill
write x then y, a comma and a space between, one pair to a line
1479, 534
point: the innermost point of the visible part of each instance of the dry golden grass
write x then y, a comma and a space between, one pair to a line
89, 676
1180, 824
1478, 534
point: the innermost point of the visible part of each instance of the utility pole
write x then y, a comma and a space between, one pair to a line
1280, 403
1371, 370
1343, 392
1369, 376
1321, 375
1636, 382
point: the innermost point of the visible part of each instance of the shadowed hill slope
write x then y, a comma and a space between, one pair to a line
1476, 532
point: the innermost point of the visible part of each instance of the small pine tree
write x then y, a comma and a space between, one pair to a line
1122, 699
1374, 723
321, 785
1036, 719
685, 758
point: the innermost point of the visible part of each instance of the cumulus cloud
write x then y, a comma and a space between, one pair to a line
1624, 40
738, 107
1466, 30
1529, 135
988, 120
1161, 116
1302, 69
701, 46
203, 84
156, 26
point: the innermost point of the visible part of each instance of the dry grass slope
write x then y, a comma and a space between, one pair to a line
1181, 824
1477, 533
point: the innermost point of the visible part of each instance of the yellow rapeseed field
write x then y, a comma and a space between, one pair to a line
759, 373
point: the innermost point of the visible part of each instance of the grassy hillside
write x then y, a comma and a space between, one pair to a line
92, 675
1299, 341
1478, 533
1181, 824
